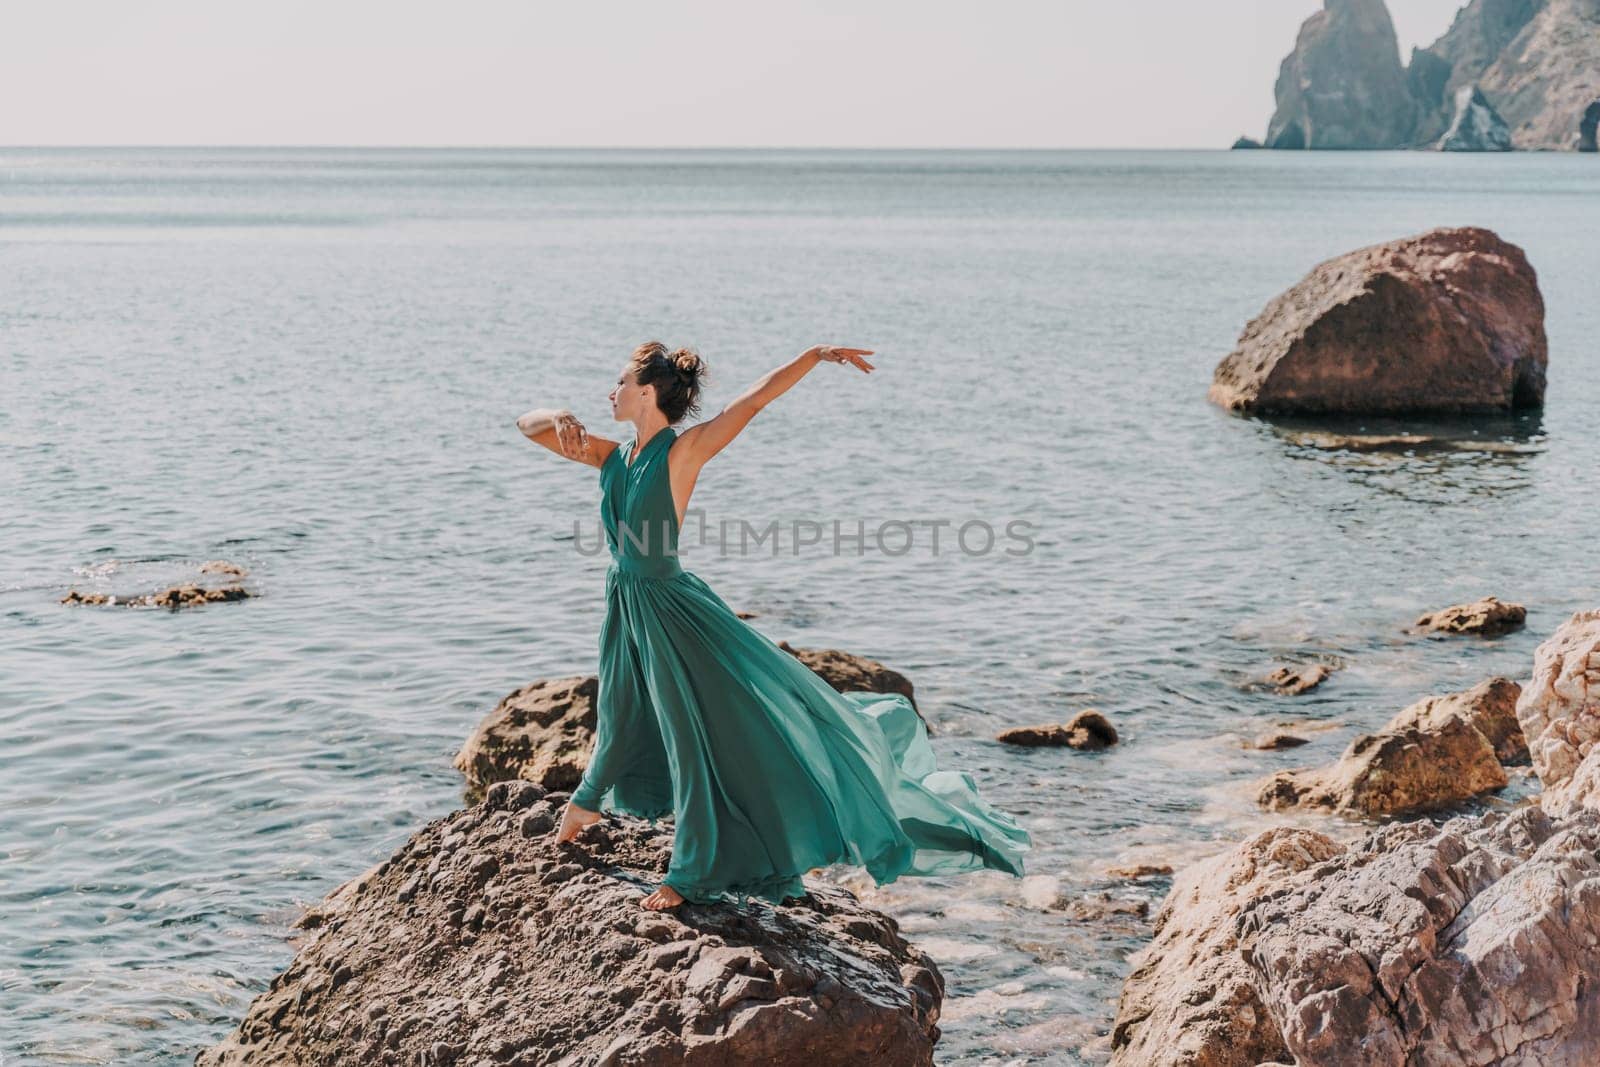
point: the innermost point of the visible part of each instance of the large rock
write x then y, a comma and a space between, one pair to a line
1421, 946
1343, 86
1449, 321
1190, 1000
481, 942
544, 732
1491, 708
1559, 710
541, 733
1395, 772
1475, 126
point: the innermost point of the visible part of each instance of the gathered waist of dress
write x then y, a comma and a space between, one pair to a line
656, 567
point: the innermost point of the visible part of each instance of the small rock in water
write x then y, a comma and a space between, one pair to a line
1274, 741
1143, 870
1089, 731
1292, 681
1489, 617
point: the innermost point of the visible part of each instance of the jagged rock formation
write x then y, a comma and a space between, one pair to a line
1559, 711
1438, 752
1470, 943
1449, 321
1475, 127
1474, 942
480, 942
1343, 86
1533, 63
1397, 771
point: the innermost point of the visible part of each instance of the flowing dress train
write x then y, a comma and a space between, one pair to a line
766, 769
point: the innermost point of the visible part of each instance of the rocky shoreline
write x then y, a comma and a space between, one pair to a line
1471, 942
479, 941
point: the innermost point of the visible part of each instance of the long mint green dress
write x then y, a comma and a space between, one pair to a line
766, 769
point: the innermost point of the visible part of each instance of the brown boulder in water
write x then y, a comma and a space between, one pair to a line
1089, 730
1490, 706
1394, 772
1449, 321
479, 941
1489, 617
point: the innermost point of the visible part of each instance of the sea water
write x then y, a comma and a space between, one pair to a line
309, 362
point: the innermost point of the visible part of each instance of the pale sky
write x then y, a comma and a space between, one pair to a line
846, 73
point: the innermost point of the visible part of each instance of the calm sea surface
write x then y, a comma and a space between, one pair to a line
308, 362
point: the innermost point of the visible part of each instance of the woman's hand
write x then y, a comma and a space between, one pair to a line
835, 354
571, 435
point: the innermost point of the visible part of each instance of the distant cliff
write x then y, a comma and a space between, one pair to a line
1508, 73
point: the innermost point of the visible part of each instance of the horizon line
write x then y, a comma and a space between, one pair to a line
634, 148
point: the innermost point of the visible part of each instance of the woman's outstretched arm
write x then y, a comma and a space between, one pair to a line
706, 439
560, 431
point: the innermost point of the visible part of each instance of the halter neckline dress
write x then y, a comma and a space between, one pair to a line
767, 770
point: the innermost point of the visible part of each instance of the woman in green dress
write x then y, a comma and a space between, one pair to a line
767, 771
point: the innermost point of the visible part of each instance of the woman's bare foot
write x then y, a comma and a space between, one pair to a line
573, 820
663, 898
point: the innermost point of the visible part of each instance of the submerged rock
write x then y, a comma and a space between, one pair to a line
1489, 617
174, 598
479, 941
1449, 321
1272, 742
1089, 730
1559, 711
1467, 943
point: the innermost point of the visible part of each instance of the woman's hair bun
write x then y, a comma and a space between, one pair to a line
677, 375
688, 362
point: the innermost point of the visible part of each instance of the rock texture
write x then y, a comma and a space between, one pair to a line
479, 942
1536, 61
1293, 681
1532, 64
1475, 126
1559, 710
850, 673
544, 732
1489, 617
1449, 321
1394, 772
173, 598
1089, 730
1491, 708
1343, 86
1190, 999
1471, 943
